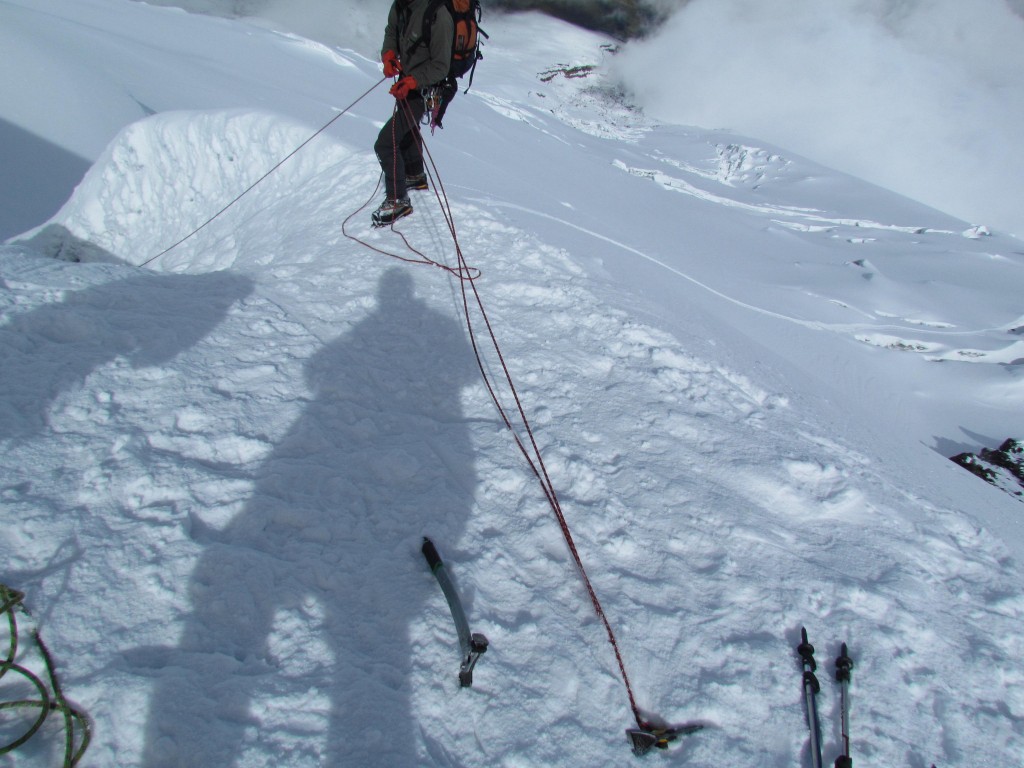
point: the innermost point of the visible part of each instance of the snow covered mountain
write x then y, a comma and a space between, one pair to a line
745, 373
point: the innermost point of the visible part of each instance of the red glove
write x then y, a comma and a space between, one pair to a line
401, 89
391, 65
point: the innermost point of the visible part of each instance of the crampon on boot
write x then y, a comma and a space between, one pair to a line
391, 211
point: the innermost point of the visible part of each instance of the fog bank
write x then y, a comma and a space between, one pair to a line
925, 97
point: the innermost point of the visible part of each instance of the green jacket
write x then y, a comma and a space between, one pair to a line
429, 65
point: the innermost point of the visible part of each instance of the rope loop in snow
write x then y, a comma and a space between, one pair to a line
462, 271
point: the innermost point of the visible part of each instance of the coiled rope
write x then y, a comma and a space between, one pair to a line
10, 603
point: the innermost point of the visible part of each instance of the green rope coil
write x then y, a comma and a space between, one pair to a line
11, 601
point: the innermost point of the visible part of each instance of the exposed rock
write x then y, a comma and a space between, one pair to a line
1003, 467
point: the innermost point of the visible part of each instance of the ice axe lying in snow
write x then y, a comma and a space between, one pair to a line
472, 644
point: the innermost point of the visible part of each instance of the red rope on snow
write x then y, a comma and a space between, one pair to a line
467, 276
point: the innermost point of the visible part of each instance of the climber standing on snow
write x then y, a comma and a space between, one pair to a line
419, 61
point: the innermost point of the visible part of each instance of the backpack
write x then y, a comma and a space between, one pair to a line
466, 44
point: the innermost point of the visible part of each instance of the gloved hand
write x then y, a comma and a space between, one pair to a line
401, 89
391, 65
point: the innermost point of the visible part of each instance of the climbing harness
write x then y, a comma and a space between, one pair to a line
10, 603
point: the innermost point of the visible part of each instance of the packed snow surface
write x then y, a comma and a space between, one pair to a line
744, 373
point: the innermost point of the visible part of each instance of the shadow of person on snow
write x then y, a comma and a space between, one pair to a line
297, 641
146, 319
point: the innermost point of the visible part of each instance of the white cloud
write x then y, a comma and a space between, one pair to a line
924, 97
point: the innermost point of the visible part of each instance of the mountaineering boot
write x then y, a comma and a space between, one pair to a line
391, 211
416, 181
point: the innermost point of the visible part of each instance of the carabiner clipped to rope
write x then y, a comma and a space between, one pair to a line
436, 98
433, 98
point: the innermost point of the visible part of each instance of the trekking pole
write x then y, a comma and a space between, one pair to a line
472, 644
811, 688
843, 666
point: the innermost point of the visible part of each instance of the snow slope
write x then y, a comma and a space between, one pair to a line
744, 371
